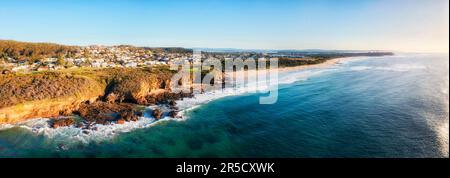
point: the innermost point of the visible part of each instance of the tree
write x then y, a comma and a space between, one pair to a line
60, 61
87, 63
69, 65
86, 53
28, 52
70, 54
35, 58
3, 57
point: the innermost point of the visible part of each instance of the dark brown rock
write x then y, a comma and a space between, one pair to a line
173, 114
64, 122
103, 113
172, 103
128, 116
80, 125
150, 100
139, 114
121, 99
111, 98
65, 112
5, 72
157, 113
142, 101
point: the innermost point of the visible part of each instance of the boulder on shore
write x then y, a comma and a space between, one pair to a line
139, 113
128, 116
157, 113
65, 122
120, 121
172, 103
173, 114
104, 113
111, 98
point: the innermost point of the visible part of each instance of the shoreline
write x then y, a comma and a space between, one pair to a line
254, 73
199, 99
102, 132
196, 101
324, 64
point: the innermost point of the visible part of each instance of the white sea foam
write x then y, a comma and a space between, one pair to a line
394, 68
6, 126
360, 68
402, 67
355, 59
99, 133
41, 126
445, 91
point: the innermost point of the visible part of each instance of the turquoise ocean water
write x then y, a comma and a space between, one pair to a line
395, 106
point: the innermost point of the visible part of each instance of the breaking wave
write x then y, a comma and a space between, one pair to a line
40, 126
394, 68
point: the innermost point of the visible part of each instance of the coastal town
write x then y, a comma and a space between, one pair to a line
96, 57
15, 59
24, 57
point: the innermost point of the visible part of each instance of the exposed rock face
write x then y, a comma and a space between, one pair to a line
44, 95
157, 113
167, 97
17, 89
4, 72
100, 96
44, 109
120, 121
173, 114
129, 115
65, 122
111, 98
172, 103
106, 113
139, 114
136, 86
167, 85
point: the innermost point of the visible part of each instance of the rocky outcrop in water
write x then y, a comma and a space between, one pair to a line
105, 113
157, 113
173, 114
63, 122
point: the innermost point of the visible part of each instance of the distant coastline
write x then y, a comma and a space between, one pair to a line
83, 94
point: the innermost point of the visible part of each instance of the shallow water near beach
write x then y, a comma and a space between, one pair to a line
396, 106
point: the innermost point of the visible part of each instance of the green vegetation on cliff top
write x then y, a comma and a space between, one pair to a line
18, 88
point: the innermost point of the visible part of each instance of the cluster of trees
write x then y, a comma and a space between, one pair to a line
168, 50
171, 50
32, 52
322, 57
290, 62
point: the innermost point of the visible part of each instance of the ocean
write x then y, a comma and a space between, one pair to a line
394, 106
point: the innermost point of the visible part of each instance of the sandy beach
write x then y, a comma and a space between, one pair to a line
251, 74
321, 65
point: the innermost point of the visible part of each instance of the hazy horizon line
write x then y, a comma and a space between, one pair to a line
221, 48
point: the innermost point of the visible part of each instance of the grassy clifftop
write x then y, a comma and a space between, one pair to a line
17, 89
49, 94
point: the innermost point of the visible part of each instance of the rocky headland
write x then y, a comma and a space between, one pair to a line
85, 97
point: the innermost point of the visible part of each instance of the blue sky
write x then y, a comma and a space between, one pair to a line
403, 25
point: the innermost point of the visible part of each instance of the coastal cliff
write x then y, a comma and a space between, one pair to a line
44, 95
103, 95
94, 94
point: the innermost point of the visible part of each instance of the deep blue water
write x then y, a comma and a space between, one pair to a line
377, 107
